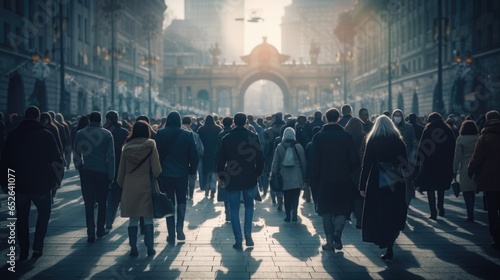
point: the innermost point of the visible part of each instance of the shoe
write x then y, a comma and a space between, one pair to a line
248, 240
294, 219
327, 247
36, 254
228, 218
212, 194
91, 239
238, 245
287, 219
441, 212
433, 217
337, 243
388, 254
100, 234
171, 239
132, 241
181, 235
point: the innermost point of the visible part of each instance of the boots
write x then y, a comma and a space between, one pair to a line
132, 241
388, 254
280, 203
329, 244
149, 239
171, 229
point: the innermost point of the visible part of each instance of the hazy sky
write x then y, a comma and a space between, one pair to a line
272, 10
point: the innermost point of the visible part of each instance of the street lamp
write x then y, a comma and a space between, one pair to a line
344, 57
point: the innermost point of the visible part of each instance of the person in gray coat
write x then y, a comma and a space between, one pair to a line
293, 174
464, 149
408, 133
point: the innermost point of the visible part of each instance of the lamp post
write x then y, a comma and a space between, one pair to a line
344, 57
150, 27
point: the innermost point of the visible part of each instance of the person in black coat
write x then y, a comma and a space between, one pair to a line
227, 122
418, 128
239, 163
178, 158
32, 157
209, 133
334, 158
384, 212
436, 152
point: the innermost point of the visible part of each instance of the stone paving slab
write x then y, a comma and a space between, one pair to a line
449, 248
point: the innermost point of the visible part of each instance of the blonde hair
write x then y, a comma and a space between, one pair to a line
383, 127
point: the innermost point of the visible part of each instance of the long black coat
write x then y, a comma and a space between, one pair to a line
436, 152
209, 135
32, 152
384, 212
333, 160
240, 160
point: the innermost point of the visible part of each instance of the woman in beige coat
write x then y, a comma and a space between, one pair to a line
139, 161
293, 174
464, 150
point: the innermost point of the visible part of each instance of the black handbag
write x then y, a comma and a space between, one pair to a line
276, 182
456, 188
162, 205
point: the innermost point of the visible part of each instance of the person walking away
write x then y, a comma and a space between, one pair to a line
115, 192
364, 116
303, 137
227, 122
94, 157
186, 125
290, 162
67, 130
310, 159
238, 172
406, 130
346, 115
46, 119
383, 186
484, 165
268, 147
464, 149
209, 133
139, 164
31, 156
179, 159
334, 159
417, 128
355, 128
435, 156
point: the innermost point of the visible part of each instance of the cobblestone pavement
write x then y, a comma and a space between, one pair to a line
449, 248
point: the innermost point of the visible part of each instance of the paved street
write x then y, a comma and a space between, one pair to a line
450, 248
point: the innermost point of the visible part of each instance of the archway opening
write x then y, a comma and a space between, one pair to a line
263, 97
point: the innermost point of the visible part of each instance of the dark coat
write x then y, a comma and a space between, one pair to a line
182, 160
120, 134
436, 152
209, 134
344, 120
334, 158
240, 160
384, 212
31, 151
485, 162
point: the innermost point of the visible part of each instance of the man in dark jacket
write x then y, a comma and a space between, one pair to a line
485, 164
179, 159
120, 134
94, 156
31, 166
346, 115
418, 128
364, 116
227, 122
333, 160
209, 133
269, 135
316, 122
240, 162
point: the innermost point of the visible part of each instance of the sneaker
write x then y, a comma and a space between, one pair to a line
337, 243
327, 247
238, 245
171, 239
100, 234
181, 235
249, 240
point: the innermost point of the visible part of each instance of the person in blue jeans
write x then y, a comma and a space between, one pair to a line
240, 162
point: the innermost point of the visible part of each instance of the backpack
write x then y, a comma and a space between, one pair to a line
289, 158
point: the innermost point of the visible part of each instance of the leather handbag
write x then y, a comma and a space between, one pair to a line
162, 205
456, 188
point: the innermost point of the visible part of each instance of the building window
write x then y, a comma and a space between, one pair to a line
79, 27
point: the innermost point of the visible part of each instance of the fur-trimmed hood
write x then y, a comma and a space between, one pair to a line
137, 149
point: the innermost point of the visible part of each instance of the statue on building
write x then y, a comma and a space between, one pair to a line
314, 51
215, 52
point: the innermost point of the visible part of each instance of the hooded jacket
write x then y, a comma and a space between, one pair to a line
408, 134
136, 195
209, 134
31, 152
485, 163
182, 159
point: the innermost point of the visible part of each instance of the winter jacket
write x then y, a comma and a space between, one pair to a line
136, 195
293, 176
209, 135
464, 149
485, 163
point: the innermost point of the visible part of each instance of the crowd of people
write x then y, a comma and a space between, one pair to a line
364, 167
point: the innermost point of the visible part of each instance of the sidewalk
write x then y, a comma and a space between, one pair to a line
449, 248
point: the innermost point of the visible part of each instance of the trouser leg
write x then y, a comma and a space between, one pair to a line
43, 205
431, 198
23, 205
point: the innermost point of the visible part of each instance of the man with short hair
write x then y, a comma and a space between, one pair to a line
364, 116
186, 125
31, 156
333, 161
94, 156
484, 164
238, 172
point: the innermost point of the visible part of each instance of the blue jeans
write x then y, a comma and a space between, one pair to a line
234, 205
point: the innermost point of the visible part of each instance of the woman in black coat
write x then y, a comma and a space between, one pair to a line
435, 157
383, 185
209, 135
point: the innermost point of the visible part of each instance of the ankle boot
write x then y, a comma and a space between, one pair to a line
280, 203
388, 254
132, 241
149, 239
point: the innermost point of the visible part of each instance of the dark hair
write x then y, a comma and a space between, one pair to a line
250, 118
332, 115
346, 110
209, 119
142, 118
95, 117
186, 120
46, 117
82, 122
240, 119
468, 128
32, 113
492, 115
412, 118
362, 110
227, 121
140, 129
317, 115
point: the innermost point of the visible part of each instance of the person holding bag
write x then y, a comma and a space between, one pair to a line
290, 162
138, 165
